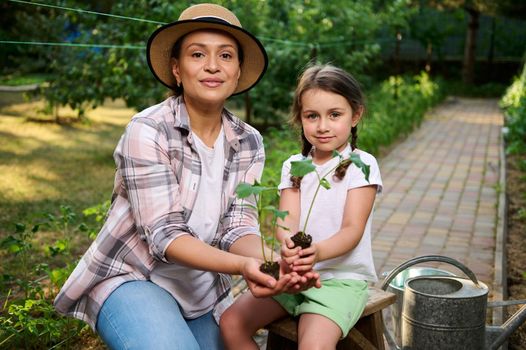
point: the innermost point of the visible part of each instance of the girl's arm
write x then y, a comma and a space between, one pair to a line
358, 206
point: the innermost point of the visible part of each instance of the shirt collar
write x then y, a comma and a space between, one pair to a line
233, 128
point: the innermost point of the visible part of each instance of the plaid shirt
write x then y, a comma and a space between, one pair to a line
156, 184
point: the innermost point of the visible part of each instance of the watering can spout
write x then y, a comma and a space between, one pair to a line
503, 332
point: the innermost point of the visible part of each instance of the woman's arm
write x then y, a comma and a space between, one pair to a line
358, 206
199, 255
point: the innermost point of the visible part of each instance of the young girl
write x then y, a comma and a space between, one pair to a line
328, 105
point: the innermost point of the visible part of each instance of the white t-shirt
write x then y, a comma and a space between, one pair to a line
327, 214
194, 289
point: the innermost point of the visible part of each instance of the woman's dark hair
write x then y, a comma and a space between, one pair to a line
328, 78
176, 52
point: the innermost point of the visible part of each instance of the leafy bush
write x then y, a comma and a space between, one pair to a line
514, 104
28, 319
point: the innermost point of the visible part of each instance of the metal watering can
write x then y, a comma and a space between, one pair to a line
443, 311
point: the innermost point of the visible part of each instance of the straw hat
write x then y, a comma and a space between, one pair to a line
206, 16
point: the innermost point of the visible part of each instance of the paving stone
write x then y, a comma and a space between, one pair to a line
440, 190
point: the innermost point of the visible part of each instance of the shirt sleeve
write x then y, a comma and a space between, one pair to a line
285, 174
241, 218
356, 177
151, 186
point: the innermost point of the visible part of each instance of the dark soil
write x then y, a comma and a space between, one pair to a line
270, 268
302, 240
516, 243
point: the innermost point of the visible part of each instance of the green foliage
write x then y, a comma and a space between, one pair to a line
265, 212
99, 212
28, 319
293, 32
514, 104
457, 88
296, 32
395, 109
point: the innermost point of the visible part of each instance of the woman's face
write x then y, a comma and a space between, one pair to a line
208, 67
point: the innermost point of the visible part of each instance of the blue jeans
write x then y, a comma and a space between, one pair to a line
142, 315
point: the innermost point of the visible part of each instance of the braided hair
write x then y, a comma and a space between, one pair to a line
331, 79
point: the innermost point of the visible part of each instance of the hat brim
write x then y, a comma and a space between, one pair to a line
160, 43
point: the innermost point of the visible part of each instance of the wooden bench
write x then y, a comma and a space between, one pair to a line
366, 334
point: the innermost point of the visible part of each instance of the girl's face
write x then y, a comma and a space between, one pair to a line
327, 118
208, 67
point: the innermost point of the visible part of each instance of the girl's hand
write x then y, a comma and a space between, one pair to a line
308, 257
288, 253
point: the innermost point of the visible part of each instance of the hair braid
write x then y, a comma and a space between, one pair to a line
354, 137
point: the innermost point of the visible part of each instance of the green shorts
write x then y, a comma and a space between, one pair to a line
341, 301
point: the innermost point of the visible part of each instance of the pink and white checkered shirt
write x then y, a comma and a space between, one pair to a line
156, 183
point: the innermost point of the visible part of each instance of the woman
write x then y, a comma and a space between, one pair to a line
157, 276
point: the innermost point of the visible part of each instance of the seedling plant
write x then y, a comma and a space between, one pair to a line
303, 167
245, 190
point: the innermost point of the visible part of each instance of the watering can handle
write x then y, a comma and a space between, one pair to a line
426, 258
418, 260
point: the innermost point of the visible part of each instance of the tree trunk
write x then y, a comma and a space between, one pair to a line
248, 108
314, 54
398, 71
468, 67
491, 50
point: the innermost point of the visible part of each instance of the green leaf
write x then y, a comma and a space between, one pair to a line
355, 158
281, 213
301, 167
325, 184
19, 228
283, 227
243, 190
12, 244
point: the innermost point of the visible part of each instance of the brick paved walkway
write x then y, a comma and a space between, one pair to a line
443, 193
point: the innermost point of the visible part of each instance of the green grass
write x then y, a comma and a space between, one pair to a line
15, 80
44, 165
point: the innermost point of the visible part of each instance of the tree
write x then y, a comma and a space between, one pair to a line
474, 8
293, 32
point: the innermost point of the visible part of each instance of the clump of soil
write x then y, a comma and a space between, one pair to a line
516, 244
270, 268
301, 239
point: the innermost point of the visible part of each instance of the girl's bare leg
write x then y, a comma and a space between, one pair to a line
317, 332
243, 319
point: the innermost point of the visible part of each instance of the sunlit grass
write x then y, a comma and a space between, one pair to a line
44, 165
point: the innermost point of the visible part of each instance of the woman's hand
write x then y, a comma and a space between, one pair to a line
305, 280
262, 285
